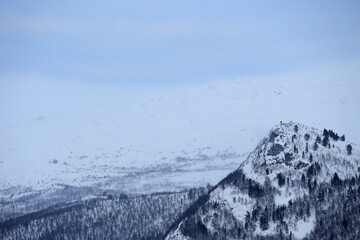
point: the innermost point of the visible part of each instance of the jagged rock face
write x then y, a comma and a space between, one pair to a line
284, 189
275, 149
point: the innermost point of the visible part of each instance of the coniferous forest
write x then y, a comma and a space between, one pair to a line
103, 217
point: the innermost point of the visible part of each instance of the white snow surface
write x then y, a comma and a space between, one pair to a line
147, 139
303, 227
236, 202
177, 235
286, 194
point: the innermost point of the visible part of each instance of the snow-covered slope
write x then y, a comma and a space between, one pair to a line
290, 150
282, 188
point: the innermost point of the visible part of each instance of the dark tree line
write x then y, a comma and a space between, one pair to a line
334, 204
115, 217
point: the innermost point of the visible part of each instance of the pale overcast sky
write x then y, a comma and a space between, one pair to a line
172, 42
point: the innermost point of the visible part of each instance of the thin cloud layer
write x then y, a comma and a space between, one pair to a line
163, 43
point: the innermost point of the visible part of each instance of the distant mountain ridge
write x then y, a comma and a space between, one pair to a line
298, 183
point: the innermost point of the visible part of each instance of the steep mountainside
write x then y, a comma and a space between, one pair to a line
299, 183
103, 217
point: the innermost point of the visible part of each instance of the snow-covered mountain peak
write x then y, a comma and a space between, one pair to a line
285, 187
293, 149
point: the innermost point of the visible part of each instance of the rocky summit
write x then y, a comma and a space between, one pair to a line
298, 183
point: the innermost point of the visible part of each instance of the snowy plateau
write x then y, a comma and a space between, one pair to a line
104, 142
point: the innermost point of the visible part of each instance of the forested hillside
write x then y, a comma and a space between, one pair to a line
299, 183
103, 217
